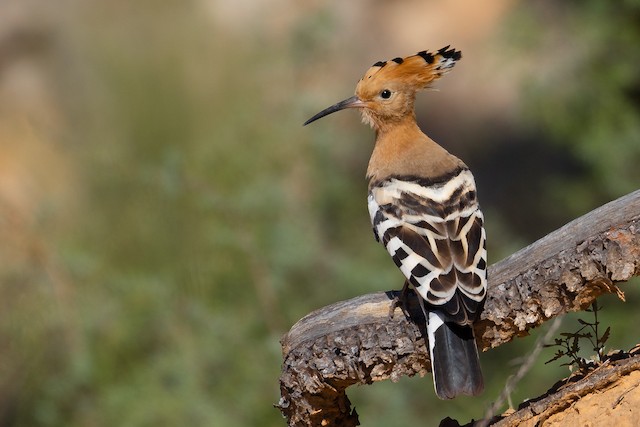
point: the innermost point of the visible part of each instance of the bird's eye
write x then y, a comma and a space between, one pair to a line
385, 94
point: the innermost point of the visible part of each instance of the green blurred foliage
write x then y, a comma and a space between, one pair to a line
595, 106
205, 220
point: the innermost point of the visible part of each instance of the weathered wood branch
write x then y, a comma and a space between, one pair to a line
611, 381
356, 341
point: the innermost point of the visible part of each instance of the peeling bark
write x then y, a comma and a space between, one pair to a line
356, 341
617, 380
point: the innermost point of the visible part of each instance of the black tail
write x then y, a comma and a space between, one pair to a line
454, 358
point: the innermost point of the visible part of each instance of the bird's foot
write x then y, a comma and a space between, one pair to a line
399, 301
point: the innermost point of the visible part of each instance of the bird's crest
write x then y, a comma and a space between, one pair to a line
414, 72
387, 91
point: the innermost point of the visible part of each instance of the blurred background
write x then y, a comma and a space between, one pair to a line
165, 218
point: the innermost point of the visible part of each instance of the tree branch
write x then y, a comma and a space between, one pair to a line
606, 379
356, 341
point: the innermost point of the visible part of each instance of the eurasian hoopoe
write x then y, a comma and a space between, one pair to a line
423, 207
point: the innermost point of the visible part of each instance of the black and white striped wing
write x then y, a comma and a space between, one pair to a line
434, 233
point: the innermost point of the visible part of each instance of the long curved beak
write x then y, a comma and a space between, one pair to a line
353, 102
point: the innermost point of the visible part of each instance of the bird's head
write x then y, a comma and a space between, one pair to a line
387, 91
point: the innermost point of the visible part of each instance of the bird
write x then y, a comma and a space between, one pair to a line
424, 209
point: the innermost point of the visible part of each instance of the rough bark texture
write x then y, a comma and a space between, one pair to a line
356, 341
608, 395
